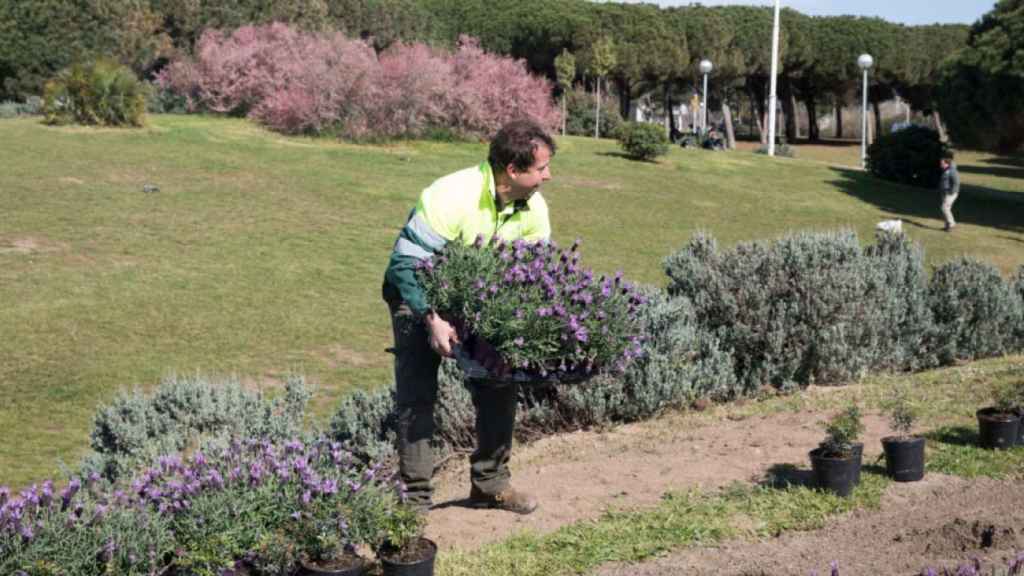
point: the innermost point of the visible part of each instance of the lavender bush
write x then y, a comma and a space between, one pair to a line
540, 310
265, 503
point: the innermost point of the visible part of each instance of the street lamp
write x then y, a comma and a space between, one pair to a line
705, 68
865, 62
775, 70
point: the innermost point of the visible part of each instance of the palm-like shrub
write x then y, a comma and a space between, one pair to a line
100, 93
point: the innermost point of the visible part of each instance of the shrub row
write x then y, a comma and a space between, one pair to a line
32, 106
302, 82
807, 308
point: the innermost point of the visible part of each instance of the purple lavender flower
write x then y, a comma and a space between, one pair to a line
834, 566
519, 342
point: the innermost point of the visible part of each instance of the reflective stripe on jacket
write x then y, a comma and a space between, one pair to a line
461, 205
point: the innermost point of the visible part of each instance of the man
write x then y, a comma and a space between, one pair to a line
497, 197
949, 186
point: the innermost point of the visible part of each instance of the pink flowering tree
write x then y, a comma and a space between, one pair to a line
298, 82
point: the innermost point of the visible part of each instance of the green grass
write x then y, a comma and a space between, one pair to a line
263, 255
681, 519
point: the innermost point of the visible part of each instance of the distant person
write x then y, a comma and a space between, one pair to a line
949, 188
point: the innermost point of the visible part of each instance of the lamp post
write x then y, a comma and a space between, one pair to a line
775, 70
865, 62
705, 68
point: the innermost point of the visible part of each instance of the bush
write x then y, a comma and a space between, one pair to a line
1018, 290
781, 149
909, 156
255, 500
580, 119
136, 429
32, 106
976, 312
101, 93
298, 82
808, 307
841, 432
643, 141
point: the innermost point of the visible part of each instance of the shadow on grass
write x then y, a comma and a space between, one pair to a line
624, 156
954, 435
976, 205
1016, 161
782, 476
998, 171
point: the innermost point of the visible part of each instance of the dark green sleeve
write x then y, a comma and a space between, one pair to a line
401, 274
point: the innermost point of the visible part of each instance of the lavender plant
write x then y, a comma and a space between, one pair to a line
536, 306
266, 503
902, 413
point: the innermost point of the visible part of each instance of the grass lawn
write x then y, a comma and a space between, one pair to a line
262, 255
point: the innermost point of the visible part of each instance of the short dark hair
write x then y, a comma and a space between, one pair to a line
515, 144
947, 155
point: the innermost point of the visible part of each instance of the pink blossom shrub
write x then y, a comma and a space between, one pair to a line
298, 82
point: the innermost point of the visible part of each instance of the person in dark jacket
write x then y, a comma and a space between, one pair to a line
949, 188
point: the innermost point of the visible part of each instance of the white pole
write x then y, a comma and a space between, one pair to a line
775, 70
704, 120
864, 124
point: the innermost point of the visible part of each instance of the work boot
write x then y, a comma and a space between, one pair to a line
508, 499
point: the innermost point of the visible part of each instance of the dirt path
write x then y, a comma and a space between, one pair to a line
940, 522
578, 476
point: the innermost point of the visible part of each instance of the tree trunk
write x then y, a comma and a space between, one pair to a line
565, 96
812, 120
597, 109
730, 134
839, 121
938, 125
789, 111
669, 120
625, 100
878, 120
760, 110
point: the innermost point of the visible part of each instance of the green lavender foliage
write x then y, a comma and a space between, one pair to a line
136, 428
977, 314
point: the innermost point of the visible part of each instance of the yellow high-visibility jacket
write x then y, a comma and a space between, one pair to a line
457, 207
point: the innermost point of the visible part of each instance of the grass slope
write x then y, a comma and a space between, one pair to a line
262, 254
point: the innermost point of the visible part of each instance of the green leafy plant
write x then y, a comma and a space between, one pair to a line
99, 93
1008, 397
842, 431
902, 414
909, 156
643, 141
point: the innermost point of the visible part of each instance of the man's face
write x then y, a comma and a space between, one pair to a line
944, 163
525, 182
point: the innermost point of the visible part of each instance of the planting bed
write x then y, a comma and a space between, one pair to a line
939, 521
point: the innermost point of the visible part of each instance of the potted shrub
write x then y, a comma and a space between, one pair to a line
904, 452
402, 548
837, 459
528, 312
999, 424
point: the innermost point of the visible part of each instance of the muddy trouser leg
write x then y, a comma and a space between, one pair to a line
495, 423
947, 209
416, 367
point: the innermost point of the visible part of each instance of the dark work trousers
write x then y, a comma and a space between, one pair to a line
416, 366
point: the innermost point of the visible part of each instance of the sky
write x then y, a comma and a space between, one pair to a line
903, 11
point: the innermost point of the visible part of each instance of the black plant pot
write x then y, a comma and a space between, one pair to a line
837, 474
423, 566
904, 457
359, 567
997, 430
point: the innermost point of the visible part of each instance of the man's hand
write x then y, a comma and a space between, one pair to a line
441, 334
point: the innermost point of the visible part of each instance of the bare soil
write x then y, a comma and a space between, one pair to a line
579, 476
